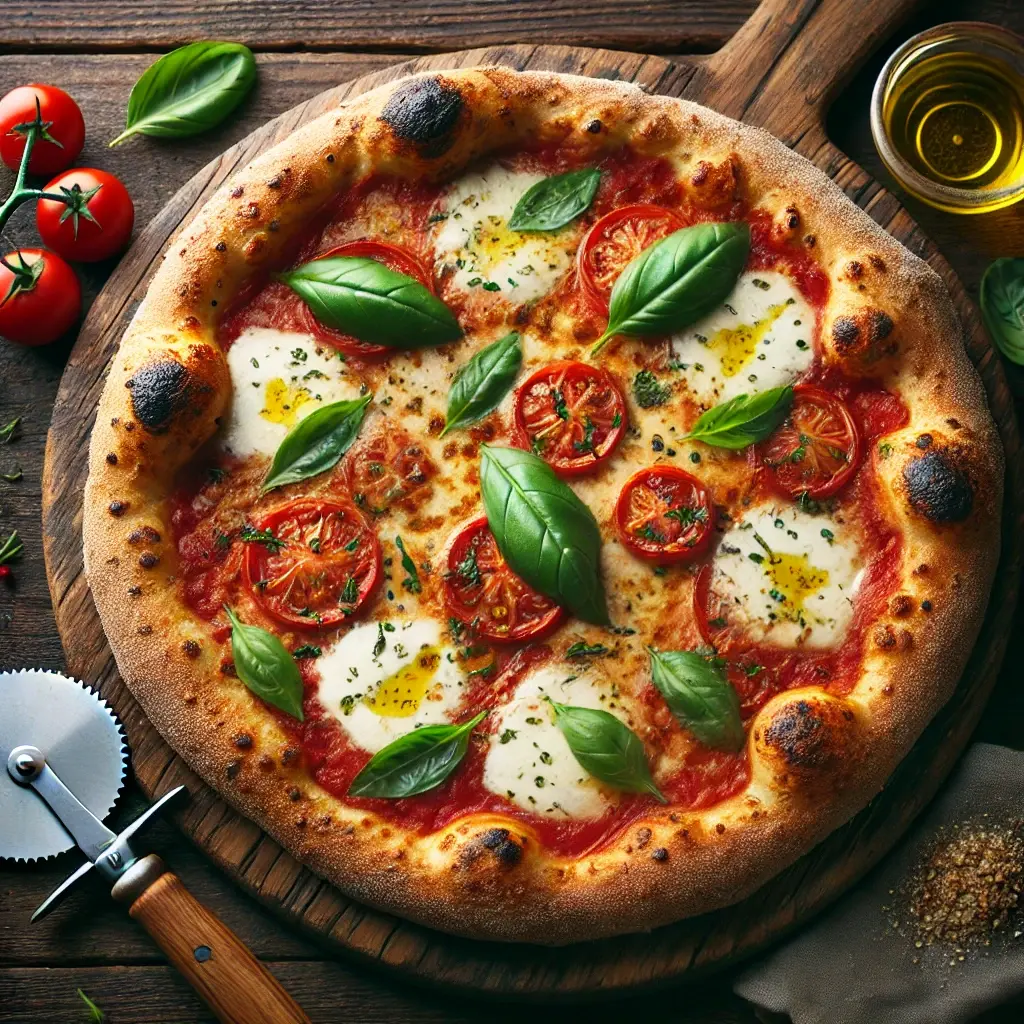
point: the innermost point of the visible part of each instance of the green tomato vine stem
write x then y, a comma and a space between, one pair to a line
20, 193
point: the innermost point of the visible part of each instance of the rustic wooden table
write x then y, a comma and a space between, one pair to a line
96, 53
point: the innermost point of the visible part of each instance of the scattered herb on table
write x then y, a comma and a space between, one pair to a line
96, 1015
9, 551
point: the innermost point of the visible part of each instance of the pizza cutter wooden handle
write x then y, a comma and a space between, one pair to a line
218, 965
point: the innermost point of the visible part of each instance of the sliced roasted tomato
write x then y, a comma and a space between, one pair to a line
665, 515
614, 240
817, 448
482, 592
387, 468
311, 562
394, 258
572, 415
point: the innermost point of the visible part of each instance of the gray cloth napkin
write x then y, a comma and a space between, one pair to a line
850, 966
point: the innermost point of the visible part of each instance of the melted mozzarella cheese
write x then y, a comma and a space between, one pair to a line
380, 694
759, 338
475, 238
530, 763
788, 577
277, 379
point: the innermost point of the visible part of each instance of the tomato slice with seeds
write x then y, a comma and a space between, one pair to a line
817, 448
482, 592
318, 563
570, 414
614, 240
386, 469
394, 258
665, 515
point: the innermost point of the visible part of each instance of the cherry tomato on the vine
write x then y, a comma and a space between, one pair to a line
96, 220
40, 297
62, 123
394, 258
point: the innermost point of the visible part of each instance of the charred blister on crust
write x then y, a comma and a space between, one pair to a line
716, 186
159, 392
863, 338
937, 487
809, 738
424, 112
497, 845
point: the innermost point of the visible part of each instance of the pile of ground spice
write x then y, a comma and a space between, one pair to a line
967, 887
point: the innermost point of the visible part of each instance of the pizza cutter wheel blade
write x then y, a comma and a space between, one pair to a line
63, 764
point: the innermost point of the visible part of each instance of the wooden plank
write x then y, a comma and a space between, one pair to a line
327, 991
655, 26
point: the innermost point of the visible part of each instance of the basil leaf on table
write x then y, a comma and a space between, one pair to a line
265, 666
1002, 306
699, 695
189, 90
544, 532
481, 384
606, 748
372, 302
554, 202
743, 420
316, 442
415, 762
676, 281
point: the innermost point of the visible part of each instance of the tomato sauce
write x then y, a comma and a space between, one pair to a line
205, 508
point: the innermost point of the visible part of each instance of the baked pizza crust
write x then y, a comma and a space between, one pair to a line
816, 758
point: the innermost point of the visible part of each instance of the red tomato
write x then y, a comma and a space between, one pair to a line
665, 515
484, 593
322, 564
62, 122
394, 258
613, 241
572, 415
40, 297
388, 467
817, 448
94, 224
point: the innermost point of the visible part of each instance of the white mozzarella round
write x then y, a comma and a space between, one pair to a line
474, 237
529, 762
788, 577
761, 337
277, 379
379, 693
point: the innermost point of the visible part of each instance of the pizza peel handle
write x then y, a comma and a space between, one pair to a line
235, 985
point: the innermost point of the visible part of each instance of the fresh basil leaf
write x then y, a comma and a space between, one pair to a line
554, 202
265, 666
676, 281
743, 420
606, 748
481, 384
1002, 306
545, 533
189, 90
316, 443
415, 762
372, 302
699, 695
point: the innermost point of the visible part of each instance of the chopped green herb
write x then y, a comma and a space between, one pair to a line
412, 580
351, 592
688, 516
884, 449
253, 536
307, 651
468, 569
507, 736
828, 535
649, 391
580, 649
381, 643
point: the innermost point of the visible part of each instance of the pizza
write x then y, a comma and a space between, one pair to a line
547, 509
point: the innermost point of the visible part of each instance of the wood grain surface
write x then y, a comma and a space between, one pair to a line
87, 942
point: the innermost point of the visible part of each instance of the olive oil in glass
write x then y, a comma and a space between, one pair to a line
951, 108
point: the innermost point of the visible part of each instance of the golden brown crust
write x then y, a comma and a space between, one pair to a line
817, 758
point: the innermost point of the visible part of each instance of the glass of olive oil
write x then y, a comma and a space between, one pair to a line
947, 116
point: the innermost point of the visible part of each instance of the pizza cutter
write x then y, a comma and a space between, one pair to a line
66, 758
